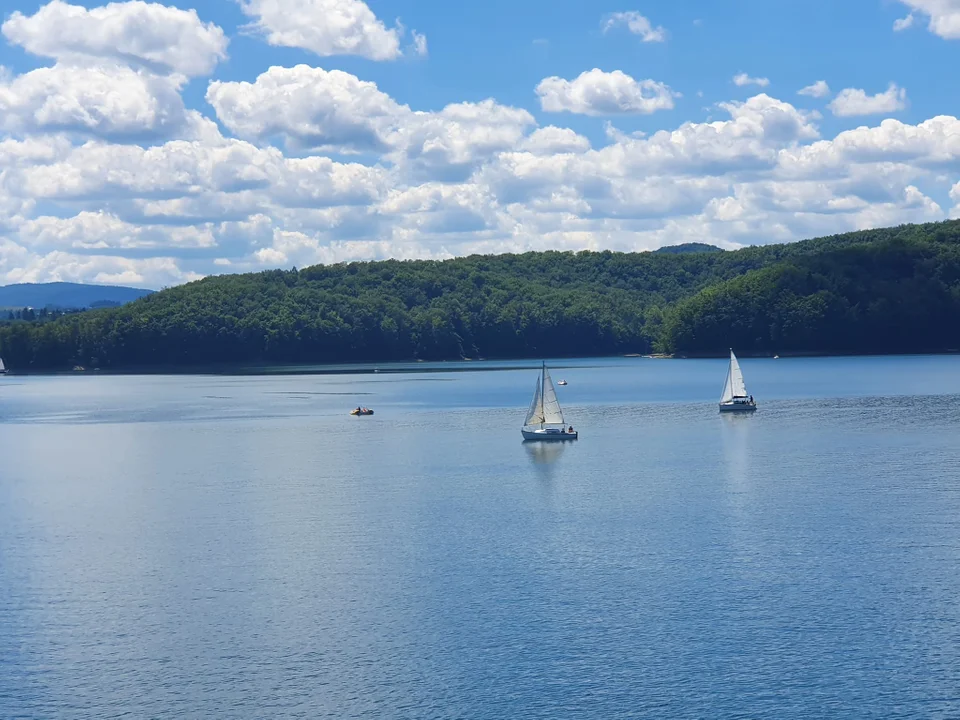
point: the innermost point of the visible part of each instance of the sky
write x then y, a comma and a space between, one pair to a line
153, 144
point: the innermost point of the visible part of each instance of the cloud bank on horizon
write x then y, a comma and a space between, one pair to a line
149, 144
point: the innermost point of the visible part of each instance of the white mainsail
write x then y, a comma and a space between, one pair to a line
2, 366
552, 414
734, 386
545, 408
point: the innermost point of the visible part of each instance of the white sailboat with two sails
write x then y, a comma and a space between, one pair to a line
3, 368
545, 418
735, 397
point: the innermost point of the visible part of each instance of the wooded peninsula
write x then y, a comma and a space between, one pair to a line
878, 291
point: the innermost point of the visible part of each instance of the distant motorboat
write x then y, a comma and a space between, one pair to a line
357, 412
776, 357
545, 414
735, 397
561, 382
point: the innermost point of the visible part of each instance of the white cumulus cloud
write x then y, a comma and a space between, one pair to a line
450, 143
904, 23
312, 106
955, 196
552, 139
636, 24
19, 265
852, 102
109, 101
468, 177
419, 43
315, 108
743, 80
160, 38
600, 93
819, 89
930, 144
944, 16
328, 27
106, 176
100, 230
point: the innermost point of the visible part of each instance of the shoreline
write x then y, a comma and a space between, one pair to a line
438, 366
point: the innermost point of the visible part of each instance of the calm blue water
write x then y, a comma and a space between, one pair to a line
239, 547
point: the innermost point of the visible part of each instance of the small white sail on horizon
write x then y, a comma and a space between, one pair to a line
545, 411
735, 397
3, 368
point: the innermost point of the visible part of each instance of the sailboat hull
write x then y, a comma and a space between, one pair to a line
738, 407
549, 435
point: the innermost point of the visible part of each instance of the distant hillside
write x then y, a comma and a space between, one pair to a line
687, 248
887, 290
899, 294
67, 295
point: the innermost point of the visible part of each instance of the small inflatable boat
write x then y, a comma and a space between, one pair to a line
363, 411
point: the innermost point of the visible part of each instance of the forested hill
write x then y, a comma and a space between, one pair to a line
892, 296
874, 291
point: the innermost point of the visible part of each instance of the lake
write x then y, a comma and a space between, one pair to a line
240, 547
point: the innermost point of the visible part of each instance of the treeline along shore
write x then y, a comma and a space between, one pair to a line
894, 290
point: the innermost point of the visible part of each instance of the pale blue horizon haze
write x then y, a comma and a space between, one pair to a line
151, 144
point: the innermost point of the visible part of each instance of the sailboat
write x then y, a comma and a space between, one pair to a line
3, 368
735, 398
545, 418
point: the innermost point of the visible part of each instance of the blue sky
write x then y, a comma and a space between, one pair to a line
151, 144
